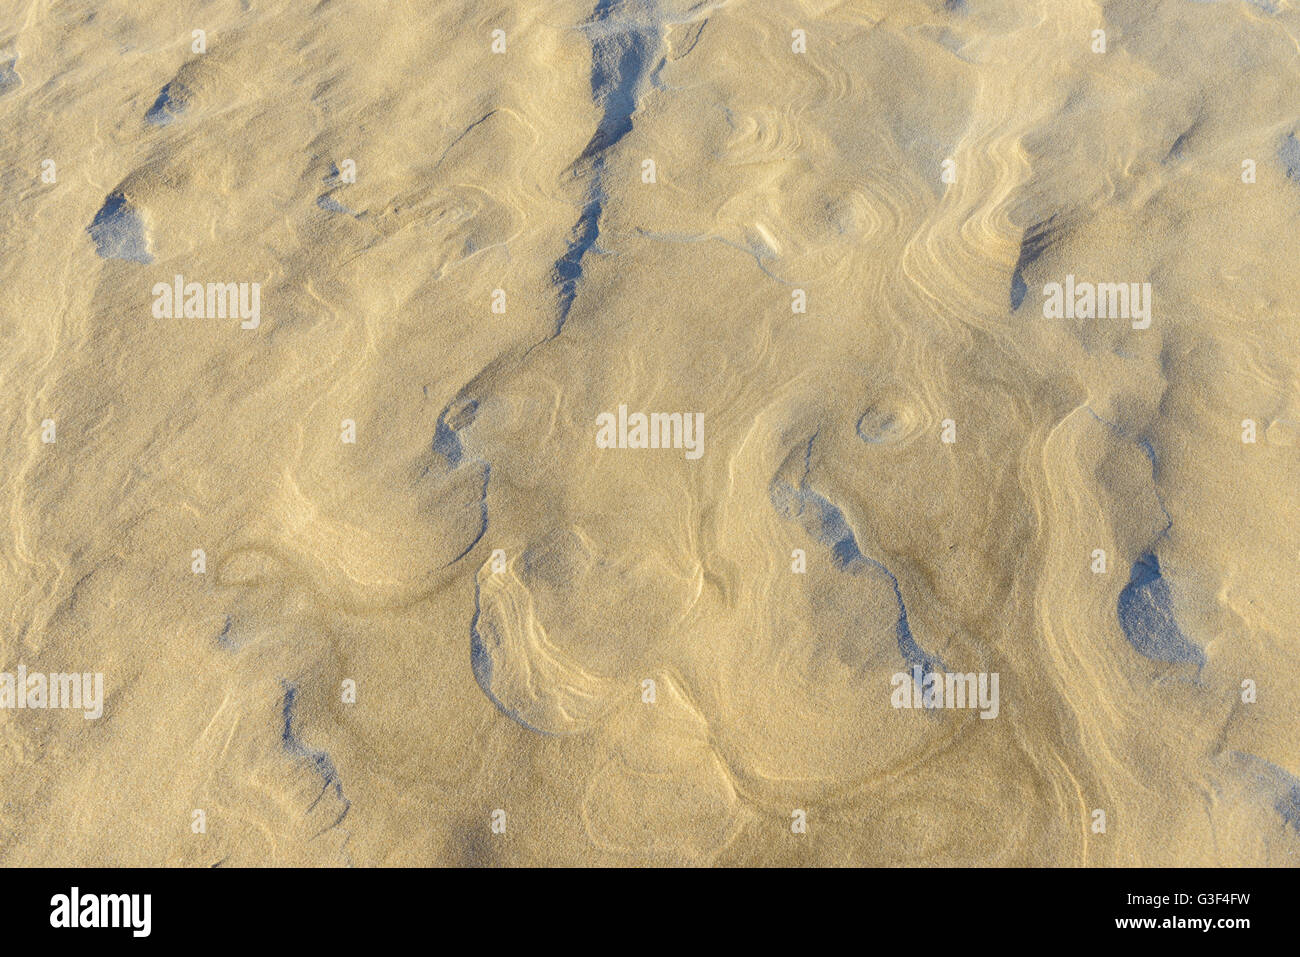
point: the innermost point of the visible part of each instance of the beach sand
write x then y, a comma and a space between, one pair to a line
366, 589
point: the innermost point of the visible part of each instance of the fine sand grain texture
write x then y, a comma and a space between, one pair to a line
469, 432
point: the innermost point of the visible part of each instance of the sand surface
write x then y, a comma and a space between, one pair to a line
836, 259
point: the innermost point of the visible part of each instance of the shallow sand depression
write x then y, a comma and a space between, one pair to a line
586, 432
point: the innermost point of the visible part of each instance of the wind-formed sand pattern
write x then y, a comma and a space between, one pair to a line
362, 573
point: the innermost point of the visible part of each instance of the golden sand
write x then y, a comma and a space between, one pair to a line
366, 586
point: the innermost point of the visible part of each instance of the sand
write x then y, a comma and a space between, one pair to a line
367, 586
